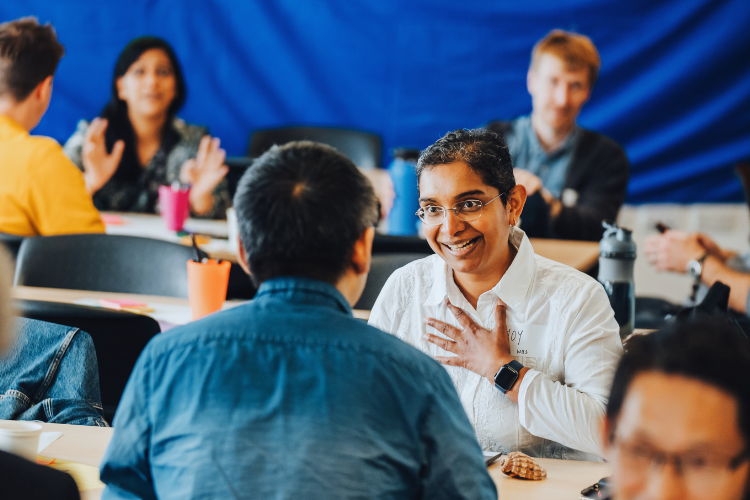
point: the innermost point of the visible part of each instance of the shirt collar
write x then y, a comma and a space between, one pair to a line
301, 290
528, 129
9, 122
512, 288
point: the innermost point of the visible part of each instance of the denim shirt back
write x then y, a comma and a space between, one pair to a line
50, 374
289, 396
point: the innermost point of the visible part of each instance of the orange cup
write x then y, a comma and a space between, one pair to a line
207, 286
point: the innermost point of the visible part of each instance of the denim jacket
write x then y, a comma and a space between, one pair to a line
50, 374
289, 396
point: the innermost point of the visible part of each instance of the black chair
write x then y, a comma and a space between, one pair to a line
237, 166
381, 268
386, 243
105, 263
119, 337
11, 242
363, 148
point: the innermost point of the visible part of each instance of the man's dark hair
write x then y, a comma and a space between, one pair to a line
485, 152
710, 350
29, 53
116, 111
300, 209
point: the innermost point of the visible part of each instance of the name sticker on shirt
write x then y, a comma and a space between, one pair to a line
528, 340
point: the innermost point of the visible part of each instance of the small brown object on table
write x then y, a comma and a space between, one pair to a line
520, 465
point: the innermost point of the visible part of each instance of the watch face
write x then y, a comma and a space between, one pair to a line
694, 268
506, 377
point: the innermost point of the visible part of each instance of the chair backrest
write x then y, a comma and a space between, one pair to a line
381, 268
11, 242
104, 262
237, 166
119, 337
386, 243
363, 148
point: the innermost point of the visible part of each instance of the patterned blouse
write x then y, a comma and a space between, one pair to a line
142, 195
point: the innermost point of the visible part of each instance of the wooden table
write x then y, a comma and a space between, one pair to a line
79, 443
171, 310
565, 479
581, 255
152, 226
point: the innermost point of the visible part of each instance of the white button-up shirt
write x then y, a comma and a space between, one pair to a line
559, 317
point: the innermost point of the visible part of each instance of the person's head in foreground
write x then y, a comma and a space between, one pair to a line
678, 420
468, 201
306, 210
564, 68
29, 54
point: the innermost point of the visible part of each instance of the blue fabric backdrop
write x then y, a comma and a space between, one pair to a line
674, 86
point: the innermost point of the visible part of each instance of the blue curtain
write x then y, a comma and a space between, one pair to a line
674, 88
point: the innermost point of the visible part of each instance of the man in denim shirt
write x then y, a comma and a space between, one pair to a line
289, 396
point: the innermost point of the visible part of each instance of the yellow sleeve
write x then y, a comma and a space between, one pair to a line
58, 202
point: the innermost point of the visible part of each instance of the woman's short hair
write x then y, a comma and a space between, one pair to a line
484, 151
710, 350
116, 111
29, 53
300, 209
577, 51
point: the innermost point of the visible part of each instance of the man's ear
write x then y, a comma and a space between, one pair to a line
43, 91
530, 80
242, 259
362, 253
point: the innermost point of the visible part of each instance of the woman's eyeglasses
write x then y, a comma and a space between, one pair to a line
467, 210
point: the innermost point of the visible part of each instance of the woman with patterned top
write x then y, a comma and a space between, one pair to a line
139, 144
531, 345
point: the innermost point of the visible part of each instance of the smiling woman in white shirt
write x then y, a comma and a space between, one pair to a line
531, 345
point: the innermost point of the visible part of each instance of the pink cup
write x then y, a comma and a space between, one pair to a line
175, 206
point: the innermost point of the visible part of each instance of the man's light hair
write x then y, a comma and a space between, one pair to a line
7, 315
578, 51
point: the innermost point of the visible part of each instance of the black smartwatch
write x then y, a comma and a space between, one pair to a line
507, 375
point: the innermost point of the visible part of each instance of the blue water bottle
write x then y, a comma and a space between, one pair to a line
403, 171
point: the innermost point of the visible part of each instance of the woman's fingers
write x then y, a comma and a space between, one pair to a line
445, 344
117, 149
501, 315
203, 149
444, 328
451, 361
461, 316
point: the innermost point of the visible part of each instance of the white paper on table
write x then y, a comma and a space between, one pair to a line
168, 313
46, 439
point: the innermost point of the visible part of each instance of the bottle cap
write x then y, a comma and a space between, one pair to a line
617, 242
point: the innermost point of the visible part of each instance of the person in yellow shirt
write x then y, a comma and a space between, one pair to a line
41, 191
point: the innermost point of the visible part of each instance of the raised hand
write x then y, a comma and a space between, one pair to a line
204, 173
531, 182
98, 165
477, 349
673, 250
